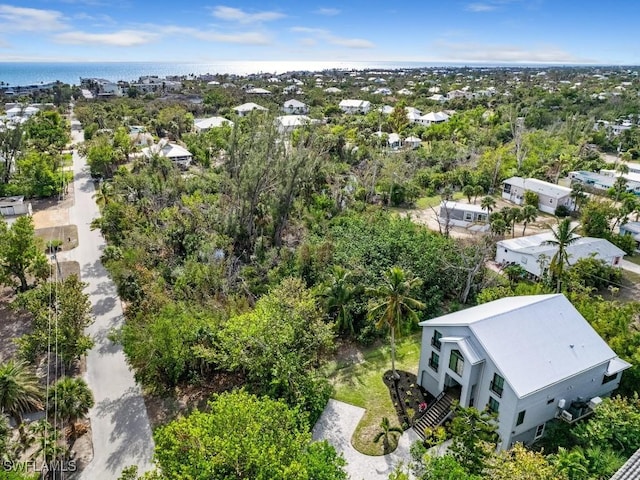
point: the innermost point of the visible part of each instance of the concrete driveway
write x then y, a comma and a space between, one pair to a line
119, 421
337, 424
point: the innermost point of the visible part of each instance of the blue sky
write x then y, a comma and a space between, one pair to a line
545, 31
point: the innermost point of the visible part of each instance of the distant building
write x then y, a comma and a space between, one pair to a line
550, 195
461, 214
534, 254
355, 106
174, 152
12, 206
201, 125
246, 108
295, 107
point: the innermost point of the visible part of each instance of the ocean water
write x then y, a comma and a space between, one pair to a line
23, 73
18, 73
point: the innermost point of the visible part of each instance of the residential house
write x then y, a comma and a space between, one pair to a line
174, 152
550, 195
632, 228
394, 141
432, 118
534, 254
412, 142
201, 125
10, 206
295, 107
258, 91
461, 214
288, 123
529, 359
436, 97
355, 106
332, 90
405, 91
246, 108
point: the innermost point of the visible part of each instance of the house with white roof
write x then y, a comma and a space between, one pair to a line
201, 125
174, 152
412, 142
436, 97
404, 91
355, 106
528, 359
258, 91
534, 254
461, 214
295, 107
550, 195
246, 108
332, 90
432, 118
288, 123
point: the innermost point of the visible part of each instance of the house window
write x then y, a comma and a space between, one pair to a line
507, 188
497, 384
435, 340
456, 362
609, 378
550, 401
468, 216
482, 217
521, 415
434, 361
493, 405
539, 432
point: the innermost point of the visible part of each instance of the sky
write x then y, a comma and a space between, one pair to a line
492, 31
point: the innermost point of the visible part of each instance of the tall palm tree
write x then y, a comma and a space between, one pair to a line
20, 390
386, 434
69, 400
577, 195
529, 214
394, 305
563, 236
488, 203
338, 293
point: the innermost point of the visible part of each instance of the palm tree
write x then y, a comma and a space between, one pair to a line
69, 400
499, 227
563, 236
338, 293
477, 191
20, 390
103, 194
577, 195
512, 215
529, 214
488, 203
386, 434
394, 305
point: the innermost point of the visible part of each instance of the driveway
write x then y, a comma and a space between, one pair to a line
337, 424
630, 266
119, 422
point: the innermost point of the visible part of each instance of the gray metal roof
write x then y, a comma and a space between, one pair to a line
580, 248
535, 341
630, 470
539, 186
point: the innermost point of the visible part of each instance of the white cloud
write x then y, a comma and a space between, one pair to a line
329, 12
480, 7
237, 15
121, 38
332, 39
475, 52
244, 38
22, 19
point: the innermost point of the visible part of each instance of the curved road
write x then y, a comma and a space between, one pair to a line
119, 421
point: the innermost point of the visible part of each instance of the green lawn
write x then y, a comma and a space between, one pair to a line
361, 385
434, 201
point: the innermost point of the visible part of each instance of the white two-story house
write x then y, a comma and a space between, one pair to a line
530, 359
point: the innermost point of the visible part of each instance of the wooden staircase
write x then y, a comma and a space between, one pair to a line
437, 412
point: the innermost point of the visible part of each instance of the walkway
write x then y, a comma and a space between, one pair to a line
119, 422
630, 266
337, 424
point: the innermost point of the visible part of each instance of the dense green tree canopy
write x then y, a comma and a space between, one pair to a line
244, 437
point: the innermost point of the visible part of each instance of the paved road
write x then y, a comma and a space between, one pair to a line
630, 266
119, 421
337, 424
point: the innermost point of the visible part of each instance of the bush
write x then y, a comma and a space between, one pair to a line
562, 211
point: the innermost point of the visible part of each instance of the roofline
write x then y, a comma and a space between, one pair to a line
570, 376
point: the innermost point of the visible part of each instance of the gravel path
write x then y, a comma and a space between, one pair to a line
337, 424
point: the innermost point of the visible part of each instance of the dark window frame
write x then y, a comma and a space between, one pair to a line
497, 384
456, 362
493, 405
521, 416
434, 364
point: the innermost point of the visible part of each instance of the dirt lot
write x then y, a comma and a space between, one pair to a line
429, 217
68, 234
49, 213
